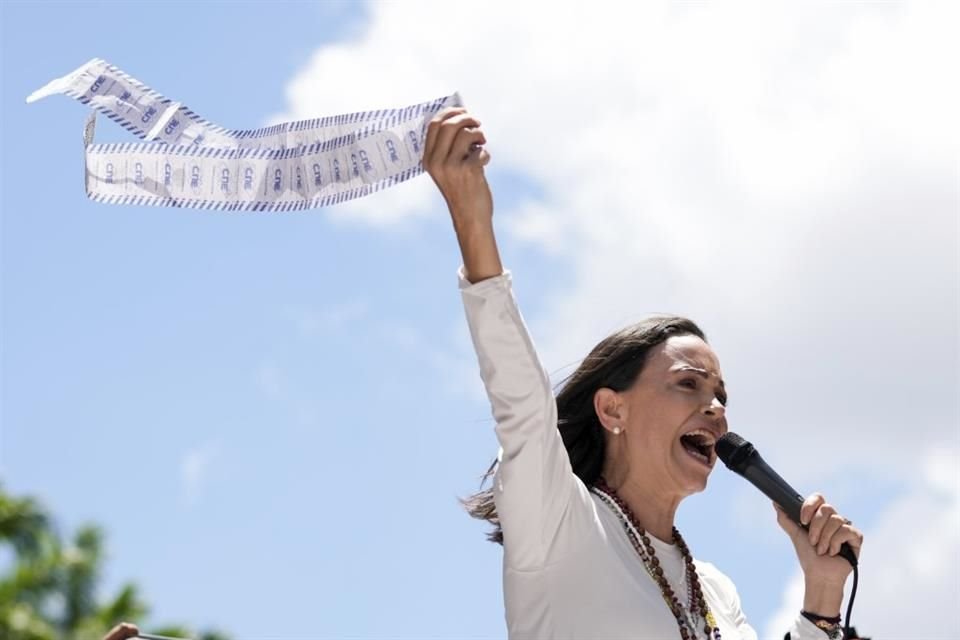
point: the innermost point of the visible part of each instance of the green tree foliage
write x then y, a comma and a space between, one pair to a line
48, 586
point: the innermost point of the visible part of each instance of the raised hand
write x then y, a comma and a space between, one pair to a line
454, 157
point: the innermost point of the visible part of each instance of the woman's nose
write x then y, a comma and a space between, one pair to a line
715, 409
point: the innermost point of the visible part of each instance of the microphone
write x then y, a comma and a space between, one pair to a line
741, 458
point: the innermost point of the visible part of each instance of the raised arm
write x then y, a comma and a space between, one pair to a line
534, 481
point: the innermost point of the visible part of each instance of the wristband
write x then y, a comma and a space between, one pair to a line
829, 625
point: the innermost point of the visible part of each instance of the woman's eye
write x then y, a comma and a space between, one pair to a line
692, 383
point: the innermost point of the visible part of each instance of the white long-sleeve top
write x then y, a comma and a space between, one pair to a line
569, 570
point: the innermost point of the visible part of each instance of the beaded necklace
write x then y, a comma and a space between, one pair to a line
696, 609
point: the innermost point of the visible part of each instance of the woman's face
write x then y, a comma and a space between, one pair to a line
674, 415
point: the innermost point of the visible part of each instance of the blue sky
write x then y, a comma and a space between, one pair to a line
272, 414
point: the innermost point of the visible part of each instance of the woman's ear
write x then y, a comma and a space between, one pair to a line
608, 406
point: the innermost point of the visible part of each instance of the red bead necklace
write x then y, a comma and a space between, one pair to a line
697, 605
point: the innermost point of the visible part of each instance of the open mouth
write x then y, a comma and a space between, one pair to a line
699, 444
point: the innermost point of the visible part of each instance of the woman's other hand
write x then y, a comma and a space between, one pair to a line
817, 547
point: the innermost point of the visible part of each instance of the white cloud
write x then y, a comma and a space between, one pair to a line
194, 468
532, 221
910, 562
785, 174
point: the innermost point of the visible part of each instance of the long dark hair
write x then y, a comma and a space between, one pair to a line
614, 363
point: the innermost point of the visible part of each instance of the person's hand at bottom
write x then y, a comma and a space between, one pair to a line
122, 631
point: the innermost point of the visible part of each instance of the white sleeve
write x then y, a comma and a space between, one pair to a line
534, 482
726, 592
723, 589
803, 629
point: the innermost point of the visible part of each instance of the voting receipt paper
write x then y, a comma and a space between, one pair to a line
190, 162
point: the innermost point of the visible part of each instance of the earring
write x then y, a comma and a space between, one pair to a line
617, 431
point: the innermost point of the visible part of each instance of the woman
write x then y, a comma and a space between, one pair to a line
588, 483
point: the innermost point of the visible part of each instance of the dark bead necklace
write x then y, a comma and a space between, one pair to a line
697, 605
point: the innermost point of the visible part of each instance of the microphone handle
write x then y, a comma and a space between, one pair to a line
759, 473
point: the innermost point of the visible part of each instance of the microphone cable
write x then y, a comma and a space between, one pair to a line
853, 594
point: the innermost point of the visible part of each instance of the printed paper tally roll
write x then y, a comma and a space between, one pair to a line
188, 161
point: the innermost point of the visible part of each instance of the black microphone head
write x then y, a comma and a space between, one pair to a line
733, 450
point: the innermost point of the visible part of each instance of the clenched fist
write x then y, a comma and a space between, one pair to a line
454, 156
818, 546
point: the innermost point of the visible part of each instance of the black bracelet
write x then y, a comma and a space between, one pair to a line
814, 618
830, 626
